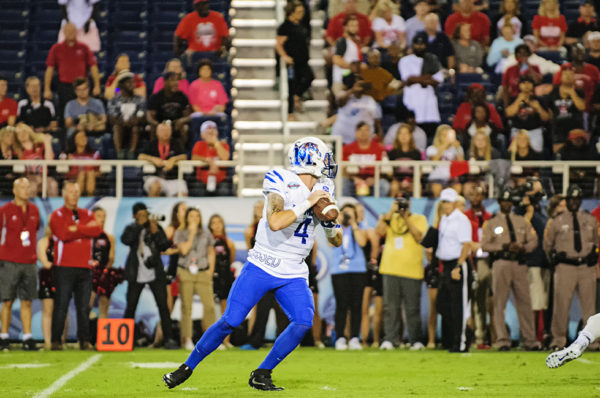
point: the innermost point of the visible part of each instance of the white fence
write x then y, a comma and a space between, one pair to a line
275, 156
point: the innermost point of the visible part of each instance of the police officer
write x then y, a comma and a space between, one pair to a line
508, 237
570, 242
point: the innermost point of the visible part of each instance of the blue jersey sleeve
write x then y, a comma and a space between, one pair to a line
274, 182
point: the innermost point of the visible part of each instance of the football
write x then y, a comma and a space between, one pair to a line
326, 210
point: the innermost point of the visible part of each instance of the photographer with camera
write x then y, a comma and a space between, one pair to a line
402, 270
144, 266
508, 237
348, 277
570, 242
527, 203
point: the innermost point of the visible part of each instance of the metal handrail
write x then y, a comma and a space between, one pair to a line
418, 166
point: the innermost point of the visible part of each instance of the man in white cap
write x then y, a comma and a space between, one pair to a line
454, 246
210, 149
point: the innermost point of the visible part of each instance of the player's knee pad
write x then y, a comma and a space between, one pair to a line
299, 330
305, 317
233, 317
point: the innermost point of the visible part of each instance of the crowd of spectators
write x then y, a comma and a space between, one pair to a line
489, 72
78, 111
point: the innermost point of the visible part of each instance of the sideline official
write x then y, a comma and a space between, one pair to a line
570, 242
455, 234
19, 222
72, 229
508, 237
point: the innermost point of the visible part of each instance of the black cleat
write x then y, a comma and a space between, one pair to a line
261, 380
4, 345
177, 377
29, 345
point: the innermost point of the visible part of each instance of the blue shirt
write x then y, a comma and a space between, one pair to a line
74, 109
499, 44
349, 257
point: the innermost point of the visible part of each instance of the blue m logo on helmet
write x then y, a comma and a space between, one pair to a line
312, 156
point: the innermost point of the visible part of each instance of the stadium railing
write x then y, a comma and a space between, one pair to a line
276, 157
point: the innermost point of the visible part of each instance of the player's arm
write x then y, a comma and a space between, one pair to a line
278, 218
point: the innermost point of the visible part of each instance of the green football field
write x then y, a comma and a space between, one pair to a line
308, 372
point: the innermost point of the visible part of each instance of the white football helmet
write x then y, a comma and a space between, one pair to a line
312, 156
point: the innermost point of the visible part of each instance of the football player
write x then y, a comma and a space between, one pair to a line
284, 238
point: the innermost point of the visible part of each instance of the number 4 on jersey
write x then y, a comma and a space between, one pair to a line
303, 226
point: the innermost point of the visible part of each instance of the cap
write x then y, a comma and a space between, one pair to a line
419, 1
139, 206
577, 133
449, 195
584, 2
207, 124
505, 194
595, 35
574, 192
477, 86
200, 1
124, 74
420, 38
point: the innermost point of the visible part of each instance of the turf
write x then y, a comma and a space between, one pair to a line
308, 372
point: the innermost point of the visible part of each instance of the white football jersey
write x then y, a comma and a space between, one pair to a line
282, 253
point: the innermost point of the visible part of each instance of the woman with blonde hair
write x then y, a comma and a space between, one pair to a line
520, 148
549, 26
445, 147
196, 269
481, 148
30, 145
509, 13
388, 26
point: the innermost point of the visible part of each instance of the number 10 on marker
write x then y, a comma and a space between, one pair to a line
115, 335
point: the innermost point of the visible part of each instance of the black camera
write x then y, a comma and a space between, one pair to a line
346, 219
156, 217
402, 204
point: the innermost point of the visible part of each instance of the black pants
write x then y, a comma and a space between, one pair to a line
159, 290
452, 294
348, 293
76, 282
303, 77
263, 308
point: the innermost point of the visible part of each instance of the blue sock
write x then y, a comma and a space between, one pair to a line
285, 343
211, 339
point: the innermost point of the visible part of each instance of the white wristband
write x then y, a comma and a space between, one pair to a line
301, 208
331, 232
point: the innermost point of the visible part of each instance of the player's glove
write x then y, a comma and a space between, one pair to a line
330, 228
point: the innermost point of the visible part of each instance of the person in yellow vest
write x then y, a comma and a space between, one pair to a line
402, 269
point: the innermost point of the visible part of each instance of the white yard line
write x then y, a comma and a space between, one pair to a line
155, 365
586, 361
58, 384
24, 365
